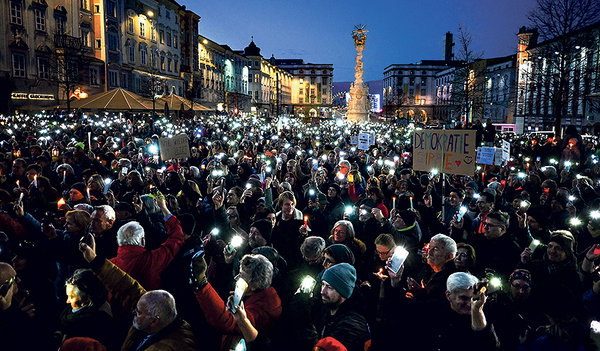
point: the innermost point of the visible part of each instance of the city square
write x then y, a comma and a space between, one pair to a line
160, 190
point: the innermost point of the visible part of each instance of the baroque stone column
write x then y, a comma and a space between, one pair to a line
360, 103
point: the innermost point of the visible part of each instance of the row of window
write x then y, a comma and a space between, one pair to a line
16, 17
19, 64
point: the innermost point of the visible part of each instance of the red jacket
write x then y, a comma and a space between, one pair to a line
263, 310
146, 266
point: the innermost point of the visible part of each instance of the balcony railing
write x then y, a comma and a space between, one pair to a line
62, 41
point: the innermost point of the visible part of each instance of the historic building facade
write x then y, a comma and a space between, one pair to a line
409, 90
311, 87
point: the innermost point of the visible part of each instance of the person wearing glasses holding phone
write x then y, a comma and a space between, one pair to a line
496, 249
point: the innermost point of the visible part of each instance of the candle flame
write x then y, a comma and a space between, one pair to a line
61, 202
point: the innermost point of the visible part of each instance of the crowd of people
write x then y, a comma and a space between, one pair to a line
275, 235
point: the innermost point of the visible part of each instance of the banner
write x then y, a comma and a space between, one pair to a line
175, 147
448, 151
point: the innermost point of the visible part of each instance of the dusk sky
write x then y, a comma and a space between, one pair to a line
400, 32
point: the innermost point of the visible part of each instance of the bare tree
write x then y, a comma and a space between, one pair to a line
65, 65
152, 86
468, 85
561, 64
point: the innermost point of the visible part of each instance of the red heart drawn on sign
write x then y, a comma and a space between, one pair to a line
457, 163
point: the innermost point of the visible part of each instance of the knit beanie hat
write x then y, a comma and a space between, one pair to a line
342, 277
341, 253
408, 217
337, 188
81, 188
265, 227
564, 239
472, 185
540, 216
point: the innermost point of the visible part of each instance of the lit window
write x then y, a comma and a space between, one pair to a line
16, 15
40, 20
85, 4
142, 28
161, 34
162, 63
153, 33
175, 41
18, 65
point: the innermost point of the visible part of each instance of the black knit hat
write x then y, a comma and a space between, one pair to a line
265, 228
81, 188
408, 217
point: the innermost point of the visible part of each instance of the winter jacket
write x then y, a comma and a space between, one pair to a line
263, 309
146, 266
177, 336
346, 326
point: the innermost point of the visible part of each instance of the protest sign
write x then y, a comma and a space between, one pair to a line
363, 141
485, 155
175, 147
448, 151
353, 140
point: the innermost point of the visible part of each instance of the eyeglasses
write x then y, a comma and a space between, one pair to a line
4, 288
525, 287
382, 253
489, 225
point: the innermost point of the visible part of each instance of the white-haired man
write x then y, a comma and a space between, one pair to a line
156, 325
143, 265
440, 258
103, 220
457, 323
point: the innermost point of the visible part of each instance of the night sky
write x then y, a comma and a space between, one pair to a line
400, 32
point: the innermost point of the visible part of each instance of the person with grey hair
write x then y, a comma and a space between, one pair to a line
343, 233
143, 265
440, 265
261, 302
312, 251
156, 324
456, 322
102, 226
